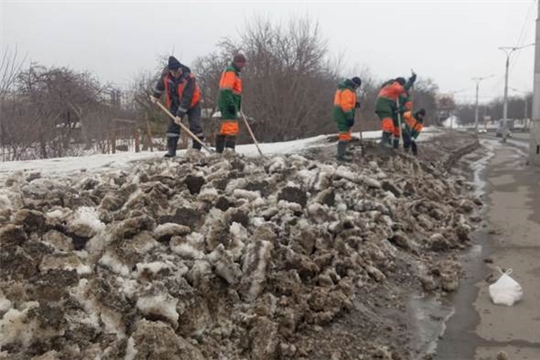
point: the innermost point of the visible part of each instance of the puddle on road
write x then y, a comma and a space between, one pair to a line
433, 319
427, 322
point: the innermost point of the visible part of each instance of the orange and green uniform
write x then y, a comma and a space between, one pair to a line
230, 99
386, 106
344, 107
411, 126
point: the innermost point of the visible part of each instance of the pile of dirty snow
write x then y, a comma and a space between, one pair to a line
220, 257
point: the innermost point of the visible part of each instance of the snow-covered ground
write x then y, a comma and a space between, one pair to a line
66, 165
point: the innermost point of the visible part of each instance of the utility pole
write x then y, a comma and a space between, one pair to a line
526, 99
508, 51
534, 137
526, 107
478, 80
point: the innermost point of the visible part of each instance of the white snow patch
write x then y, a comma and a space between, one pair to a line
307, 176
277, 165
74, 165
162, 304
259, 202
283, 204
98, 243
187, 251
208, 193
14, 325
113, 323
246, 194
131, 352
87, 216
152, 267
171, 229
59, 214
129, 286
257, 277
132, 198
5, 203
114, 264
5, 304
257, 221
235, 184
240, 236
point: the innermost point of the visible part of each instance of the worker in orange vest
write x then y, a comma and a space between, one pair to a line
388, 108
182, 97
412, 126
345, 105
230, 101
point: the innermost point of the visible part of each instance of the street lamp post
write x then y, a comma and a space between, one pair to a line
478, 80
508, 51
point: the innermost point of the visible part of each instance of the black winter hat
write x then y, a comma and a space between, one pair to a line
357, 81
401, 81
420, 112
174, 63
239, 58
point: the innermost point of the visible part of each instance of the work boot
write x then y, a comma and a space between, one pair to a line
230, 142
196, 144
386, 139
172, 143
395, 143
341, 152
414, 148
220, 143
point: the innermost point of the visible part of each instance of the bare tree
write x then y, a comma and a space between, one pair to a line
10, 68
288, 84
49, 111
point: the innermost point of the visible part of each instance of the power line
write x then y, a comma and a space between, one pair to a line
523, 34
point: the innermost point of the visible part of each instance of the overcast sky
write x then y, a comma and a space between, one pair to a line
447, 41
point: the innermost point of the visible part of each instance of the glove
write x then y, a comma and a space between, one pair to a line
357, 105
350, 123
412, 79
180, 114
232, 109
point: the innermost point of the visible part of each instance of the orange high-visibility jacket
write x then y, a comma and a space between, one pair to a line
411, 125
187, 90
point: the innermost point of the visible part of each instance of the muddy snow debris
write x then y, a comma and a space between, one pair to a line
237, 259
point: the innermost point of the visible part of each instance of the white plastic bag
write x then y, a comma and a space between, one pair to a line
505, 291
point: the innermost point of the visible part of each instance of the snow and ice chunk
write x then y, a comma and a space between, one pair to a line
15, 326
277, 164
85, 222
111, 261
5, 304
161, 305
246, 194
255, 264
168, 230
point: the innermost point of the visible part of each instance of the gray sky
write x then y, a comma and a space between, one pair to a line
447, 41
